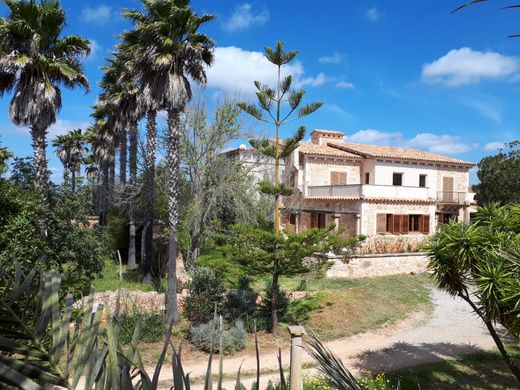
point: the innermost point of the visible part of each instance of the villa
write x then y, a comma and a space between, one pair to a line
368, 189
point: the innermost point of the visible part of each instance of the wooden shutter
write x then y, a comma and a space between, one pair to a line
381, 223
338, 178
425, 228
313, 220
404, 223
447, 188
397, 224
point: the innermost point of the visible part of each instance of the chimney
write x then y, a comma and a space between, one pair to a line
321, 137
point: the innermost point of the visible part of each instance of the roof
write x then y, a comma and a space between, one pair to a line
395, 152
335, 132
324, 150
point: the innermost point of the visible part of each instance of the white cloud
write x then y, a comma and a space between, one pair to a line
494, 146
373, 14
95, 49
467, 66
98, 15
236, 69
334, 58
244, 18
442, 144
486, 109
345, 85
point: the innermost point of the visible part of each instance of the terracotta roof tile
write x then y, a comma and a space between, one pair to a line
396, 152
324, 150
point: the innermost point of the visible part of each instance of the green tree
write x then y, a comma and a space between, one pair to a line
71, 149
480, 263
270, 109
172, 55
34, 60
499, 176
5, 155
260, 251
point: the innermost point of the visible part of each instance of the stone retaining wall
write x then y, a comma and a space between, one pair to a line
363, 266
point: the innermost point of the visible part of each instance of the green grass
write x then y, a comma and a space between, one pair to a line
110, 279
485, 370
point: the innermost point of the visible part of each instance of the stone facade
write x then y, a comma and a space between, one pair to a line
364, 266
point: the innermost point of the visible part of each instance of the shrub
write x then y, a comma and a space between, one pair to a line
152, 327
315, 383
205, 290
378, 382
264, 311
234, 338
298, 310
241, 303
65, 242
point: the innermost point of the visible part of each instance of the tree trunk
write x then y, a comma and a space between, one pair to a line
151, 134
40, 159
274, 301
515, 369
122, 158
104, 193
132, 264
173, 212
73, 171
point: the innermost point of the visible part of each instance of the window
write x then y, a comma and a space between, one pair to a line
414, 223
338, 178
367, 178
292, 179
397, 179
422, 180
402, 223
292, 219
318, 220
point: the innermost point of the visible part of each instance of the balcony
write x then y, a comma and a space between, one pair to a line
455, 198
369, 191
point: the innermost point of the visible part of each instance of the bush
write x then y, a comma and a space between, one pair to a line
56, 238
152, 327
241, 303
205, 290
298, 310
234, 338
264, 311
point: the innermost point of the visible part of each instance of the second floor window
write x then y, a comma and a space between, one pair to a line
367, 178
338, 178
397, 179
422, 180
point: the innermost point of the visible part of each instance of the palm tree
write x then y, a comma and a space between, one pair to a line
122, 93
34, 61
5, 155
171, 49
71, 149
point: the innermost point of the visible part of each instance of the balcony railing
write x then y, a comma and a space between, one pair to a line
369, 191
454, 197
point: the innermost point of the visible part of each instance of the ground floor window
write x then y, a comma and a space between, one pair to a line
445, 218
318, 220
292, 219
402, 223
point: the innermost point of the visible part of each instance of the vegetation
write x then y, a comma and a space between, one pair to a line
499, 176
37, 58
234, 338
480, 263
480, 371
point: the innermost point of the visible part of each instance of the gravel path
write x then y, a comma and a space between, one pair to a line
450, 332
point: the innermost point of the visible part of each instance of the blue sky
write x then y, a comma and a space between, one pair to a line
388, 72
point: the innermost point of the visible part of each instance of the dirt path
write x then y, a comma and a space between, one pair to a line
450, 332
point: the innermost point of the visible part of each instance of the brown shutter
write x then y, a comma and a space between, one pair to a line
405, 223
338, 178
425, 224
447, 188
381, 223
397, 223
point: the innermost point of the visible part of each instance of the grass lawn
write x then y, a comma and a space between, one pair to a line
110, 279
486, 370
350, 306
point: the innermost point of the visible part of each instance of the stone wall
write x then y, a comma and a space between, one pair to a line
363, 266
